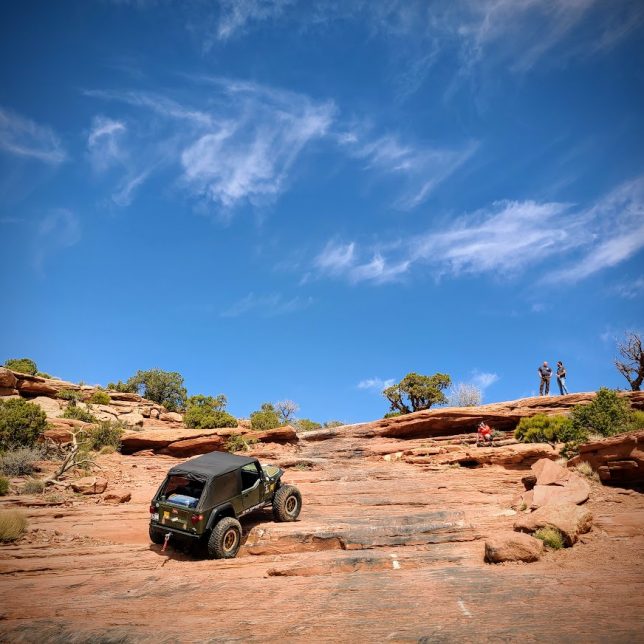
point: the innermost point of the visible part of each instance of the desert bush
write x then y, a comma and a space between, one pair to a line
21, 422
415, 392
545, 429
4, 486
12, 524
122, 387
105, 433
107, 449
585, 469
22, 365
265, 418
465, 395
32, 486
333, 423
607, 414
637, 421
71, 395
306, 425
208, 412
20, 461
100, 397
551, 537
42, 374
163, 387
238, 443
78, 413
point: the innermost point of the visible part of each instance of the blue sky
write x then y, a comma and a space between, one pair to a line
305, 200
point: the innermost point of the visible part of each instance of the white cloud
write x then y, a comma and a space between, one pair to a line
25, 138
421, 168
104, 142
630, 290
376, 384
267, 305
58, 230
482, 379
236, 14
240, 150
506, 239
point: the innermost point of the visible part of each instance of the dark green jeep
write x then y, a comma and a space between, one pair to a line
201, 501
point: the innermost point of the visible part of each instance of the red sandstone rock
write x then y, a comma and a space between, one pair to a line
194, 446
570, 519
117, 496
8, 379
89, 485
619, 460
512, 546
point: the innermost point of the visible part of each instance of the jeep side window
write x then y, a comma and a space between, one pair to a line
249, 475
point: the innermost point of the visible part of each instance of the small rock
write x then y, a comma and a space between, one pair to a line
90, 485
570, 519
117, 496
512, 546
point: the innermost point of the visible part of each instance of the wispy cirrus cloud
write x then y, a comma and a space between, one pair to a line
267, 306
421, 167
239, 147
23, 137
375, 384
105, 143
56, 231
504, 240
483, 379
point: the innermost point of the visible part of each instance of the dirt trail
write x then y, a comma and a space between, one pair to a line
383, 551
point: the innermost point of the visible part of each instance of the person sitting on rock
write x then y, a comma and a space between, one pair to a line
484, 434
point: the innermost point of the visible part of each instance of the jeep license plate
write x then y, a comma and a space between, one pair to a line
155, 516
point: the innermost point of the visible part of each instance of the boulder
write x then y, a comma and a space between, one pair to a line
512, 546
36, 387
7, 379
549, 473
285, 434
619, 460
50, 406
117, 496
570, 519
133, 418
89, 485
154, 413
576, 491
194, 446
171, 417
8, 391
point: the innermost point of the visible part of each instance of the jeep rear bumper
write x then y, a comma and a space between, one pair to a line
175, 531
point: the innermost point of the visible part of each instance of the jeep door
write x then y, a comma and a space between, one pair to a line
252, 486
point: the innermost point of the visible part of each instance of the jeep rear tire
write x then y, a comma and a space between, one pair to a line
156, 536
287, 503
225, 539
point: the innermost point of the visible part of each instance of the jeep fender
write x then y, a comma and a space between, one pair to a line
226, 510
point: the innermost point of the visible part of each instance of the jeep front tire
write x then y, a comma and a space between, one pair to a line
287, 503
225, 539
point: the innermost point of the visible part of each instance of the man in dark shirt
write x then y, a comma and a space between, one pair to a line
545, 372
561, 378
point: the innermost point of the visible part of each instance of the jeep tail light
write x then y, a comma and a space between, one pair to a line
152, 509
195, 518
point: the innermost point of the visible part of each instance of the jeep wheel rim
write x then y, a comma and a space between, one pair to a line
230, 540
291, 505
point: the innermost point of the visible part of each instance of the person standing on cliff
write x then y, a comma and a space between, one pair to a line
545, 372
561, 378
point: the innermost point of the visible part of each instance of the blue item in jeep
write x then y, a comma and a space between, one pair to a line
182, 499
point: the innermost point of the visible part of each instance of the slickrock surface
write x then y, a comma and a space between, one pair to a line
385, 550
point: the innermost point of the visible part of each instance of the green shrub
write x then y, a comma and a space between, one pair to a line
78, 413
545, 429
163, 387
42, 374
416, 391
12, 524
21, 422
71, 395
266, 418
551, 537
107, 449
100, 397
33, 486
306, 425
638, 419
207, 412
22, 365
238, 443
4, 486
106, 433
607, 414
122, 387
20, 461
333, 423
